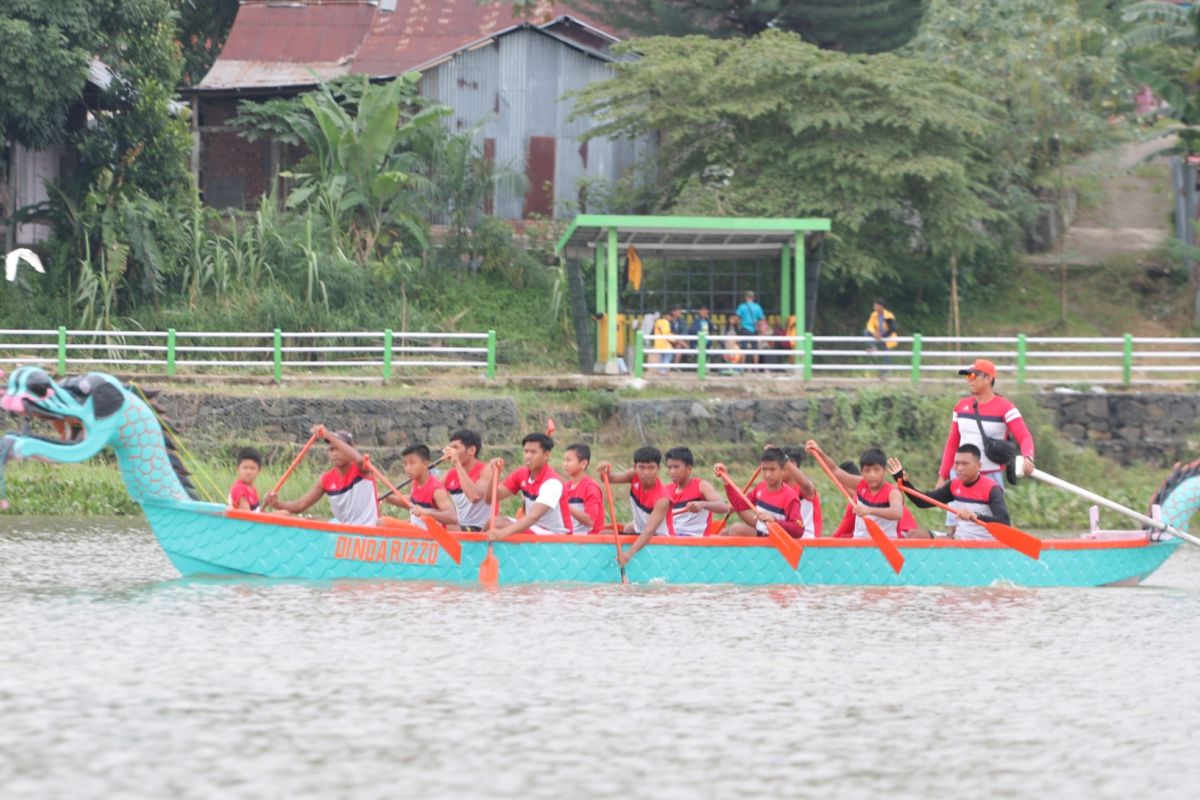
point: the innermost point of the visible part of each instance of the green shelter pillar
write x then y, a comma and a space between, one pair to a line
785, 285
799, 285
600, 275
610, 368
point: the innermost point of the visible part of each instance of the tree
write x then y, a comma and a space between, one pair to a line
44, 65
860, 26
1053, 71
203, 27
892, 148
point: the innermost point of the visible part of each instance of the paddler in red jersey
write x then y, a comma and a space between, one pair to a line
974, 498
584, 496
429, 497
693, 500
649, 499
876, 496
810, 500
773, 499
541, 490
468, 480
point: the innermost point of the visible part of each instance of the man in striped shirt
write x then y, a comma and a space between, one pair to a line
995, 415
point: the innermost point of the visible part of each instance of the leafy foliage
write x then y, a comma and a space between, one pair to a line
857, 26
1051, 70
891, 147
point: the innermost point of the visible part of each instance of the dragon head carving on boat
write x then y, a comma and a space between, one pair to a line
89, 413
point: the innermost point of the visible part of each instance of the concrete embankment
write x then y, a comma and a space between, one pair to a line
1158, 427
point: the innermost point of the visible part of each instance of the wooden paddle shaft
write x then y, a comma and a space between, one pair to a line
1112, 505
295, 463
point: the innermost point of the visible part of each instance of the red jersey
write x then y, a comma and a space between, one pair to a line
352, 496
547, 488
783, 504
845, 528
585, 496
999, 418
876, 499
243, 491
642, 501
470, 514
686, 523
422, 497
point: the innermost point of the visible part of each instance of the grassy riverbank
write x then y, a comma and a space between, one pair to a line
907, 424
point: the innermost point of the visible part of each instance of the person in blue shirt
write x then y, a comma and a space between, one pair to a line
701, 323
749, 313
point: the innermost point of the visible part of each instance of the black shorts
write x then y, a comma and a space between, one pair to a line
471, 528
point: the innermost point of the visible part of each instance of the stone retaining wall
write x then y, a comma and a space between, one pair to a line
1158, 427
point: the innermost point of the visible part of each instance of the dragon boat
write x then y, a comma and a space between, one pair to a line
95, 411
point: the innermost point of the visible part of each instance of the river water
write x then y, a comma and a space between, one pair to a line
117, 678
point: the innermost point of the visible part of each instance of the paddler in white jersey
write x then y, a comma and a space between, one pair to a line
693, 500
467, 480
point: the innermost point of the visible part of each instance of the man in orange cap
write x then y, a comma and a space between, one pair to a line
984, 413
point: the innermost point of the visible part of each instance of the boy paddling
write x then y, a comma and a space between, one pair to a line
773, 499
585, 500
542, 491
351, 492
429, 497
468, 479
693, 501
648, 498
810, 500
877, 497
974, 497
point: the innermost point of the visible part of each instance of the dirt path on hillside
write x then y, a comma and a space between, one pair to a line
1131, 215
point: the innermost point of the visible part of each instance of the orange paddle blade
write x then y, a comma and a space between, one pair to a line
489, 570
448, 543
715, 526
1015, 538
550, 426
886, 545
788, 547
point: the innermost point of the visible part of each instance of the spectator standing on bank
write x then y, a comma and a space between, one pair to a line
881, 327
749, 313
664, 342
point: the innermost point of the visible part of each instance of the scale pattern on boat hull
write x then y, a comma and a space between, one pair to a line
198, 534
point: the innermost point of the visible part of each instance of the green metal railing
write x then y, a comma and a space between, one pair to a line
1027, 358
276, 351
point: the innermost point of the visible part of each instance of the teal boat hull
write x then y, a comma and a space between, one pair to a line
209, 539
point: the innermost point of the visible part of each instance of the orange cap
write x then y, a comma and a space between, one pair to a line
981, 365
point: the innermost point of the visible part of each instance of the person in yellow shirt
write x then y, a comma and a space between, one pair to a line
664, 344
881, 327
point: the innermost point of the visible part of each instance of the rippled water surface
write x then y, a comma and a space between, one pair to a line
117, 678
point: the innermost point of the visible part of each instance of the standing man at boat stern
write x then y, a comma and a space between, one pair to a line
547, 509
986, 420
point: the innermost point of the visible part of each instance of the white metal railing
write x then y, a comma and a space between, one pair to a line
1029, 359
274, 351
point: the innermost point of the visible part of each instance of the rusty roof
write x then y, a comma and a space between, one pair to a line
280, 43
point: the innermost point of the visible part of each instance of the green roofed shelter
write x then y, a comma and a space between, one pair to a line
604, 236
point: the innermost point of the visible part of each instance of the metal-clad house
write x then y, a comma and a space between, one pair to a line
503, 75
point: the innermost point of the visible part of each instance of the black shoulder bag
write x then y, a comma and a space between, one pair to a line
1001, 451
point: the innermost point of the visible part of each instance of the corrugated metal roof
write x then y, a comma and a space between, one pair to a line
278, 43
230, 74
298, 32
